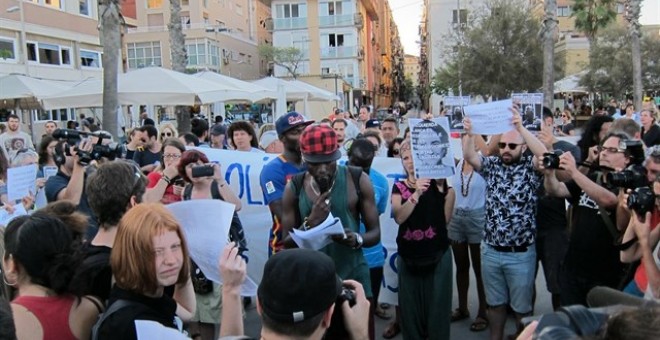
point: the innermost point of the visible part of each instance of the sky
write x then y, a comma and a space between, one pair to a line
408, 13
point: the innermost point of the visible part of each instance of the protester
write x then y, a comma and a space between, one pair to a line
389, 130
14, 139
650, 130
512, 184
393, 148
39, 261
165, 182
167, 130
134, 142
46, 153
374, 137
277, 172
145, 120
627, 126
218, 136
422, 207
242, 137
594, 131
339, 125
330, 188
465, 232
189, 139
592, 259
200, 128
297, 298
49, 128
149, 254
270, 143
567, 127
149, 157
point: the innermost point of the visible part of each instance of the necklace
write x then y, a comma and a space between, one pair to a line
317, 191
465, 188
411, 183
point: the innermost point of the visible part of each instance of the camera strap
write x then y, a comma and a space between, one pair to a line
616, 235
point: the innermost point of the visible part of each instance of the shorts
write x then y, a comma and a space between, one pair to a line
467, 225
509, 277
209, 306
551, 247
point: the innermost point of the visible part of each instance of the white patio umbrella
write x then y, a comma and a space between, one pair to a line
316, 94
570, 84
293, 92
255, 92
150, 85
23, 92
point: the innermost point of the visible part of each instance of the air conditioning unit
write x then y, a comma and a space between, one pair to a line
225, 56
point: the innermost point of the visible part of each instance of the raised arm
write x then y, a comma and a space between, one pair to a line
469, 153
533, 144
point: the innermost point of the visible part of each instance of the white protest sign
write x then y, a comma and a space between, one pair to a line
21, 181
454, 111
242, 169
490, 118
319, 236
206, 225
431, 151
531, 109
6, 217
49, 171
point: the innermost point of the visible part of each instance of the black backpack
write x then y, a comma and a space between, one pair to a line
201, 283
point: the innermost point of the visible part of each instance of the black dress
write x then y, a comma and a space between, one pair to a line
652, 136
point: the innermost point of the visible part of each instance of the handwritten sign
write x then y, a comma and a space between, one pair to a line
531, 109
431, 152
49, 171
454, 108
490, 118
21, 181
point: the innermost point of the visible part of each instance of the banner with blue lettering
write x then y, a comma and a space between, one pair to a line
242, 170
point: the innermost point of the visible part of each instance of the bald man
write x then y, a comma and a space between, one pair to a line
508, 251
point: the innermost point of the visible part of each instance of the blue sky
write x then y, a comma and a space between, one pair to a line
408, 13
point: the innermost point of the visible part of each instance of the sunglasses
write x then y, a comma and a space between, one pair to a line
166, 134
511, 146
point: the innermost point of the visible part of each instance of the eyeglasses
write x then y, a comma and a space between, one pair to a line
511, 146
171, 155
395, 151
166, 134
564, 116
610, 149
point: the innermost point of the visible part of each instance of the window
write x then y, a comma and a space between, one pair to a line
291, 10
335, 40
32, 51
7, 51
185, 21
196, 53
53, 3
49, 54
214, 52
325, 70
463, 16
56, 115
334, 8
84, 7
184, 2
144, 54
90, 59
154, 3
65, 54
563, 11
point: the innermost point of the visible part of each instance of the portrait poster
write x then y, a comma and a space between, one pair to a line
431, 150
454, 111
531, 109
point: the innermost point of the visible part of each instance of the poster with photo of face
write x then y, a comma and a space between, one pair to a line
432, 156
531, 109
454, 111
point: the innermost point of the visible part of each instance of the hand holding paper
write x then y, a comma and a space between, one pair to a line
232, 267
319, 236
490, 118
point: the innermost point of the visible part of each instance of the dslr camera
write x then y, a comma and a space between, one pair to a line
74, 137
205, 170
634, 176
551, 159
641, 200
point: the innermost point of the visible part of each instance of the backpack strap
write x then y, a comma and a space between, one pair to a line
115, 307
215, 191
616, 235
187, 192
356, 173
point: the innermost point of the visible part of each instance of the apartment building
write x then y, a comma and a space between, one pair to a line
221, 35
353, 40
412, 68
49, 39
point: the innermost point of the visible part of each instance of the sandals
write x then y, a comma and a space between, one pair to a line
479, 324
458, 315
392, 330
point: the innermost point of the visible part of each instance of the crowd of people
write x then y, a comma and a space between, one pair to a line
104, 257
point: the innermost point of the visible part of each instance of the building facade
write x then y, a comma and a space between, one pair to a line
411, 68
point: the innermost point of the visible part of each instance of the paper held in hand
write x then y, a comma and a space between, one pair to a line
206, 225
490, 118
319, 236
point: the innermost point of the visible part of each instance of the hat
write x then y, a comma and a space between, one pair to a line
372, 123
318, 144
218, 130
297, 285
289, 121
267, 138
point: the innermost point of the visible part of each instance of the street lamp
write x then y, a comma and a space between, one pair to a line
19, 9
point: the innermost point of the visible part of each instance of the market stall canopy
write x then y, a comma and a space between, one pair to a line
149, 85
570, 84
316, 94
255, 92
23, 92
293, 92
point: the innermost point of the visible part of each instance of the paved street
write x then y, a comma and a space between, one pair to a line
459, 330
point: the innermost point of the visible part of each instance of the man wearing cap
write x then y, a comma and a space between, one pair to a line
372, 124
270, 143
278, 171
330, 188
296, 298
218, 132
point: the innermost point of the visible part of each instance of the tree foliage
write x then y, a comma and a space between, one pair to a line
287, 57
407, 90
592, 16
610, 69
499, 52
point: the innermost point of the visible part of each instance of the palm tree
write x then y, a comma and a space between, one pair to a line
632, 17
110, 24
549, 26
179, 59
591, 16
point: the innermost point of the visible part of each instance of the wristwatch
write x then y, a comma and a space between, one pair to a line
358, 241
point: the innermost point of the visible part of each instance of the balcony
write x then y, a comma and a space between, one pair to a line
336, 20
331, 52
289, 23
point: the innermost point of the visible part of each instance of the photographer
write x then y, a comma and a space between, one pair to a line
69, 182
591, 259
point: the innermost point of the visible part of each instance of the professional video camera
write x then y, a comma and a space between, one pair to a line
641, 200
99, 150
634, 176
